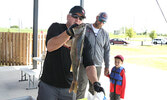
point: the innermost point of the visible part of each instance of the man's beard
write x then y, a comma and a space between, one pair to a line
97, 25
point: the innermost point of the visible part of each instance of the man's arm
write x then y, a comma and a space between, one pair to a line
107, 55
57, 41
91, 73
92, 76
90, 68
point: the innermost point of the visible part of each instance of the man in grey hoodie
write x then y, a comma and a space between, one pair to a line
99, 40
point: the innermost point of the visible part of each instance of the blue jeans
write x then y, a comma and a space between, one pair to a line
114, 96
48, 92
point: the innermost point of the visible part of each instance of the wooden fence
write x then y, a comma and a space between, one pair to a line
16, 48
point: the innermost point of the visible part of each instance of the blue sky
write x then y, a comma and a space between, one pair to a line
140, 14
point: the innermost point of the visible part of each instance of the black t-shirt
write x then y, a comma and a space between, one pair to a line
56, 70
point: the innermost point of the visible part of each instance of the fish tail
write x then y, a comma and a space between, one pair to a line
73, 87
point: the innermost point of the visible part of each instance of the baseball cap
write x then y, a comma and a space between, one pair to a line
78, 10
103, 16
120, 57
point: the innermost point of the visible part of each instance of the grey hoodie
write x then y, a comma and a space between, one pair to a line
100, 46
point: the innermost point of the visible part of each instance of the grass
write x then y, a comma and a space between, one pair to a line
111, 35
155, 62
20, 30
140, 50
149, 56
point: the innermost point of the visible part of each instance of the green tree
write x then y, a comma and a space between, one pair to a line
145, 33
14, 26
130, 32
153, 35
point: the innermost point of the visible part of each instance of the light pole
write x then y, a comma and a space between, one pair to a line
82, 3
35, 32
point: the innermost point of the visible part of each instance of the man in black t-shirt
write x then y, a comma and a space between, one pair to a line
56, 77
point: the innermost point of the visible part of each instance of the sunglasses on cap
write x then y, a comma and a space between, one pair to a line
102, 21
77, 16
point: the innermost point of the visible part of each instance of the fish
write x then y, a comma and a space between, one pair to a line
76, 54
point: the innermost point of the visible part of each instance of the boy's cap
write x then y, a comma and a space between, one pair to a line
120, 57
103, 16
78, 10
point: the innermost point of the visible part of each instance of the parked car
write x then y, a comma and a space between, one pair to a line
159, 41
118, 41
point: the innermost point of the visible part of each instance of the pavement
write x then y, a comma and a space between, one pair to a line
11, 88
142, 83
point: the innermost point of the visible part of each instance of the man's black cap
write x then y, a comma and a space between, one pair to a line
78, 10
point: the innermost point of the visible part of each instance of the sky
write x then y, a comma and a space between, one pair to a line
141, 15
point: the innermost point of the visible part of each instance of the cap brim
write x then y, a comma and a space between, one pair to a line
79, 14
103, 19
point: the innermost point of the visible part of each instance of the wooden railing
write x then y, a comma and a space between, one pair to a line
16, 48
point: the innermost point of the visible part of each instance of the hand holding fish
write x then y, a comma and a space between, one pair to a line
70, 31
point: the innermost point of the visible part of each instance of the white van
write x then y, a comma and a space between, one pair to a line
159, 41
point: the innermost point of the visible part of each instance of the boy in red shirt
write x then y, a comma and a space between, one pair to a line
117, 79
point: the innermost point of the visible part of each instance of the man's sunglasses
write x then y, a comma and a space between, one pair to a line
102, 21
77, 16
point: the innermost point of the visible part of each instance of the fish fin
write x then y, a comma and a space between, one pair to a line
75, 87
71, 69
71, 87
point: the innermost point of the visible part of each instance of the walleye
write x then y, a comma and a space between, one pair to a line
76, 53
